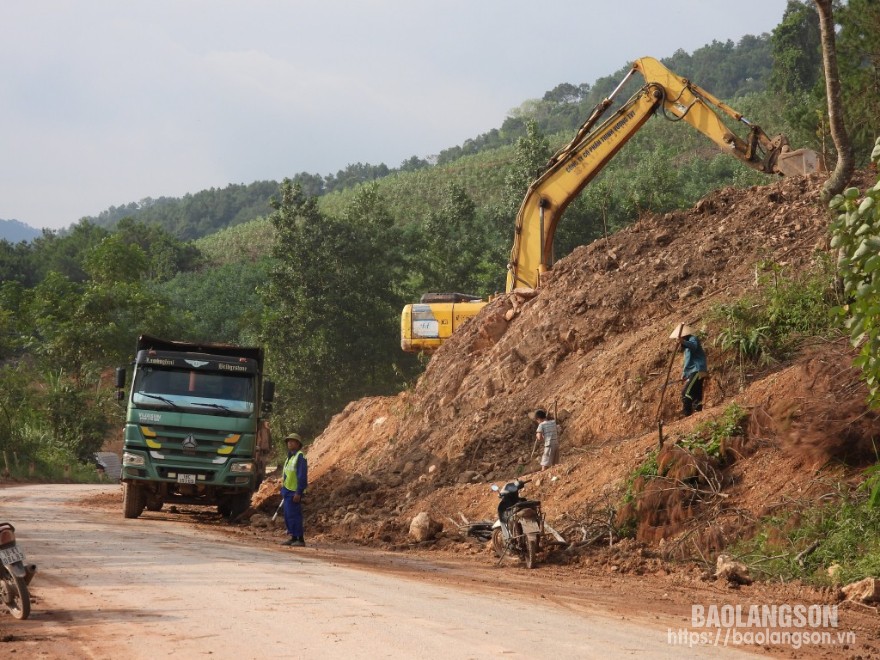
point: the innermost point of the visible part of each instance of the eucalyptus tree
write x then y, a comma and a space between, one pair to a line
330, 321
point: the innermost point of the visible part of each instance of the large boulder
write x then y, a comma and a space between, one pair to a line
424, 528
863, 591
734, 572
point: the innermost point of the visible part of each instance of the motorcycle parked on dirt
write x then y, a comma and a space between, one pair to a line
15, 575
520, 524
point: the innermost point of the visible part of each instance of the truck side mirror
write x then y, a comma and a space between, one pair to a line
268, 391
120, 383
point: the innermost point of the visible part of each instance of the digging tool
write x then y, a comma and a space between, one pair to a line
534, 447
559, 431
278, 510
666, 382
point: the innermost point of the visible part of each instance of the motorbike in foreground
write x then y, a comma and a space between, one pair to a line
15, 575
520, 524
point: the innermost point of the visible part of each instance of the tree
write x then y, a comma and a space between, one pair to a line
16, 263
856, 236
797, 50
845, 161
115, 260
858, 47
331, 317
532, 153
166, 255
64, 253
413, 164
458, 246
219, 304
81, 328
312, 184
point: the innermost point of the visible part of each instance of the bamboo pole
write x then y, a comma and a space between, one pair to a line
665, 383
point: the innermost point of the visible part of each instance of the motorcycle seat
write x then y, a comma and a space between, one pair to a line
526, 504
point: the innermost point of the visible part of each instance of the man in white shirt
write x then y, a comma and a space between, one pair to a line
549, 433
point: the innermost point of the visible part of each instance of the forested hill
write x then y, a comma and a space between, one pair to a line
15, 231
320, 280
727, 69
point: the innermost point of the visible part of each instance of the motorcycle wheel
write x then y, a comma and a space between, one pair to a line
15, 595
531, 550
498, 542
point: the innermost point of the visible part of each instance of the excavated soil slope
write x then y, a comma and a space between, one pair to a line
593, 345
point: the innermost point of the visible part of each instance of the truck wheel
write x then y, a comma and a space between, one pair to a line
132, 500
240, 504
154, 504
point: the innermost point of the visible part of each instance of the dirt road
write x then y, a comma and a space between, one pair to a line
158, 586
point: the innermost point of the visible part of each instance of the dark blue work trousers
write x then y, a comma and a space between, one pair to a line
293, 515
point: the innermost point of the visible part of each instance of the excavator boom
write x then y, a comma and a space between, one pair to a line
580, 161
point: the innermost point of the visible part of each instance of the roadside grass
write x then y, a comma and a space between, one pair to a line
831, 543
22, 470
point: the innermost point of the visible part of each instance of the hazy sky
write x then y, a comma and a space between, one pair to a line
106, 102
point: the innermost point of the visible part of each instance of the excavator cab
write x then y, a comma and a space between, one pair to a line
426, 325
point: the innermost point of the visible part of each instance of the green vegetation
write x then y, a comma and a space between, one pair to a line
710, 438
833, 543
319, 275
52, 419
331, 307
838, 541
681, 475
647, 469
856, 234
713, 437
769, 325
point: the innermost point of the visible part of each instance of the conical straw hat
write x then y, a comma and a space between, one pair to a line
681, 330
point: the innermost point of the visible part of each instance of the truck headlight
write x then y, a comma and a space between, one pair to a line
241, 467
132, 460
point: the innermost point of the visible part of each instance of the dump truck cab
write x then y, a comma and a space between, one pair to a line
195, 426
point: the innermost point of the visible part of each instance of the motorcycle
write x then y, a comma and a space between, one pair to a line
520, 524
15, 575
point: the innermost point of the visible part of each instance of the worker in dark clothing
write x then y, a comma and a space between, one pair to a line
694, 370
295, 480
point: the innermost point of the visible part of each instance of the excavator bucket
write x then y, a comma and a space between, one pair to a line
798, 162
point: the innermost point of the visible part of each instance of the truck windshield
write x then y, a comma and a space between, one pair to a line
190, 388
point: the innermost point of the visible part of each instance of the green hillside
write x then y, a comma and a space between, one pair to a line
317, 268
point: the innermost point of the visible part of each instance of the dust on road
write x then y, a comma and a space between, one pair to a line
159, 585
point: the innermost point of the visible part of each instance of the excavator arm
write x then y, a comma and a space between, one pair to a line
577, 163
425, 326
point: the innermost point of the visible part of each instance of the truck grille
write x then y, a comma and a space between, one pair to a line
189, 442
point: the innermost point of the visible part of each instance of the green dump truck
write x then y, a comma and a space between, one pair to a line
195, 426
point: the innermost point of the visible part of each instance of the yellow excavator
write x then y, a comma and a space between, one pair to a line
424, 326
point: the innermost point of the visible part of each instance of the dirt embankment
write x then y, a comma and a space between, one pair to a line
593, 344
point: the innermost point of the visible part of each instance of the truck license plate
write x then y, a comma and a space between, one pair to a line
186, 478
11, 555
